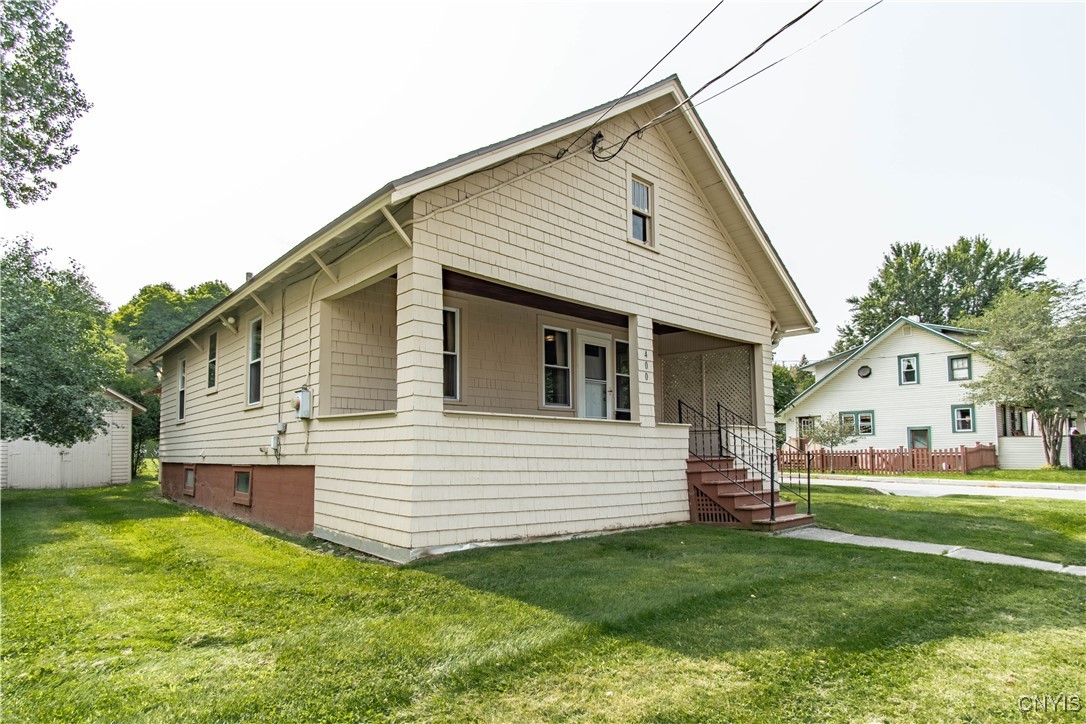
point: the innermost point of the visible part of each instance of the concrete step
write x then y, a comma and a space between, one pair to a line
784, 522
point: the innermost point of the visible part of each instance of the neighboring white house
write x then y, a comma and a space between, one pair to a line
104, 460
905, 388
489, 349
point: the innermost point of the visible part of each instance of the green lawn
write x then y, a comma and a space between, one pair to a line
1049, 530
119, 606
1063, 475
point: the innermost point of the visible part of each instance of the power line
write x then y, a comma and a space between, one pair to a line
794, 52
665, 114
603, 115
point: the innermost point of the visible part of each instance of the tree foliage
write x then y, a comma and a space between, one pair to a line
830, 433
39, 99
57, 354
1036, 343
939, 285
789, 381
158, 311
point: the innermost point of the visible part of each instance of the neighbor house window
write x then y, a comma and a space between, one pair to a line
862, 423
451, 351
556, 372
908, 366
243, 486
960, 367
804, 425
190, 481
212, 359
963, 418
256, 376
641, 211
181, 390
622, 380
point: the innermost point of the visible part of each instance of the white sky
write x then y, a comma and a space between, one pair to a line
223, 133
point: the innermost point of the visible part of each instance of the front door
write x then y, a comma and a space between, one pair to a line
595, 367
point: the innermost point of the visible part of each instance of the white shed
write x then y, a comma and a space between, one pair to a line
104, 460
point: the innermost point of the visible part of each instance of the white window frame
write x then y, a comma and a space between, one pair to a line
954, 419
901, 369
649, 214
568, 367
455, 353
254, 361
181, 375
629, 379
212, 361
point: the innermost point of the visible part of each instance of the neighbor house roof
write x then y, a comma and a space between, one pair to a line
127, 400
686, 133
939, 330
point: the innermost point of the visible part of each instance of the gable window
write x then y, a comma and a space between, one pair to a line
451, 353
641, 211
862, 422
556, 373
181, 390
963, 418
622, 380
212, 359
960, 367
243, 486
256, 375
908, 366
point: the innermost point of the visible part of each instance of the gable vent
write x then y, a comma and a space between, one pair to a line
907, 331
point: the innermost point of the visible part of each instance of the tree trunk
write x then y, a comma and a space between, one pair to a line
1051, 437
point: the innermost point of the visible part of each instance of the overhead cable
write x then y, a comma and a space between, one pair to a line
603, 115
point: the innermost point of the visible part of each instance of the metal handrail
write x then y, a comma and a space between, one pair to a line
757, 449
705, 453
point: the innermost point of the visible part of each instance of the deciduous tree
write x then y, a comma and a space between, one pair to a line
57, 354
39, 99
1036, 343
938, 285
158, 311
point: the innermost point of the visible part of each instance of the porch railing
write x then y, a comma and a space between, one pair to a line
730, 435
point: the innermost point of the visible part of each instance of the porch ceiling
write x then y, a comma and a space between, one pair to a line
457, 282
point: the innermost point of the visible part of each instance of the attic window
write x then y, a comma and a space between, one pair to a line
641, 211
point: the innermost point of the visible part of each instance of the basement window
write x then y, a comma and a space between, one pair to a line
190, 481
243, 486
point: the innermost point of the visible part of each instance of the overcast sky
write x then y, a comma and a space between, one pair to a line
223, 133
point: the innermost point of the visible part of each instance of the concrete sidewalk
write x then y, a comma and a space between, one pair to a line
936, 487
936, 549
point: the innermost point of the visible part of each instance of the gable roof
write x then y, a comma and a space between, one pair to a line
136, 407
939, 330
685, 132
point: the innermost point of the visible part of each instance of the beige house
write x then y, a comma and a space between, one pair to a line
490, 349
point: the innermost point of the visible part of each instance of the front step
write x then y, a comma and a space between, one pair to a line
721, 493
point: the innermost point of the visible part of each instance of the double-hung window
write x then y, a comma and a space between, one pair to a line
451, 353
556, 368
181, 390
256, 374
962, 418
212, 360
908, 366
641, 211
960, 367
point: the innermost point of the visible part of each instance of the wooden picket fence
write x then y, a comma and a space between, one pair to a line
896, 461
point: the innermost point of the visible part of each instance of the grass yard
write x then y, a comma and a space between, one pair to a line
1049, 530
1062, 475
120, 606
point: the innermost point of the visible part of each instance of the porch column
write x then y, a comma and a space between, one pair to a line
643, 370
419, 363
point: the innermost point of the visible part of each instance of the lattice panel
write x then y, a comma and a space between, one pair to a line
728, 380
681, 380
708, 510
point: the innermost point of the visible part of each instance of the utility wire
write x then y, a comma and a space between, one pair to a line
794, 52
641, 129
603, 115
